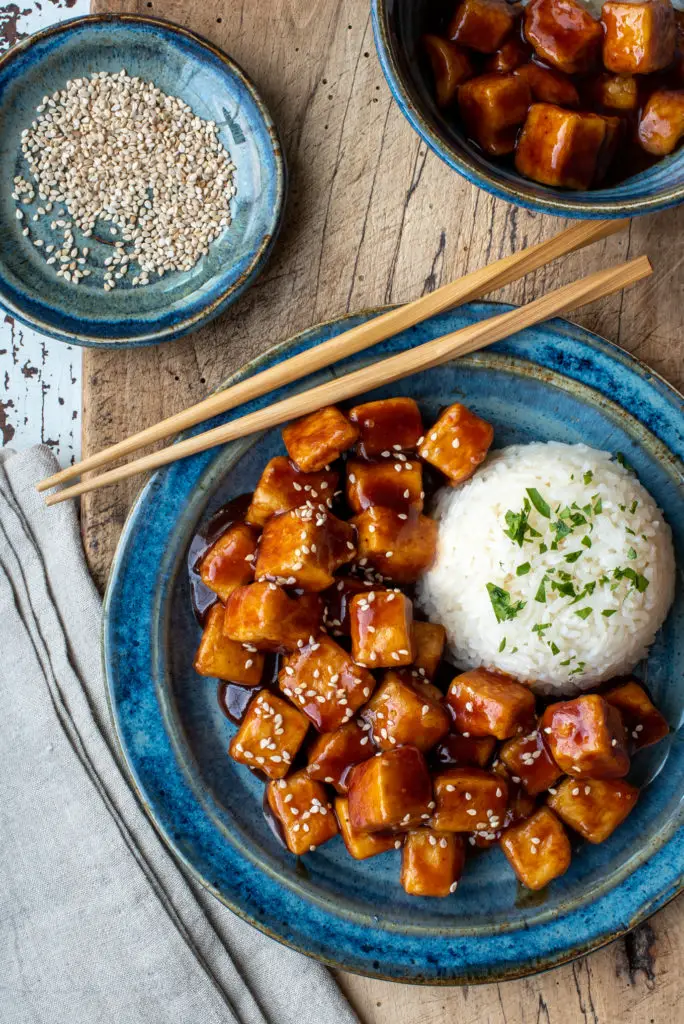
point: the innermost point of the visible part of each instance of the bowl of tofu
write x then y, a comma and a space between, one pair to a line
553, 105
293, 727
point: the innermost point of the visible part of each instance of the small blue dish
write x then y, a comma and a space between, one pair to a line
552, 382
398, 26
183, 65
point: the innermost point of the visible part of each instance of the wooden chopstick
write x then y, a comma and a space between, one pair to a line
472, 286
432, 353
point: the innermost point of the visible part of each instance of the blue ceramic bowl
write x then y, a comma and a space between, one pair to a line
183, 65
398, 26
553, 382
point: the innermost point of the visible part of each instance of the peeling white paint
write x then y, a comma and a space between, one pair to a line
40, 379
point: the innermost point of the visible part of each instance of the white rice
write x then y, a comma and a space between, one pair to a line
626, 531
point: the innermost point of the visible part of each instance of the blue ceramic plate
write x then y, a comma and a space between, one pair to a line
555, 382
182, 65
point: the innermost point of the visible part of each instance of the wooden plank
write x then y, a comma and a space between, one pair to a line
374, 217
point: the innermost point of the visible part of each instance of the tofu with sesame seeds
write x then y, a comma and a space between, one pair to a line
282, 487
642, 720
432, 862
469, 800
392, 483
303, 548
400, 549
301, 807
537, 849
265, 616
586, 737
593, 807
319, 438
221, 658
386, 426
457, 443
332, 754
455, 749
323, 681
528, 757
400, 711
381, 624
392, 790
361, 845
489, 704
429, 640
229, 562
269, 736
336, 601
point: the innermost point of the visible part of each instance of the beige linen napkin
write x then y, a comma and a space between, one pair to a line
97, 921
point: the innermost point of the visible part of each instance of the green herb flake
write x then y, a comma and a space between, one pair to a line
541, 627
588, 476
502, 645
565, 589
561, 530
598, 507
641, 583
630, 532
607, 612
554, 649
540, 596
572, 556
543, 549
624, 463
631, 554
633, 507
583, 613
586, 542
523, 569
542, 507
503, 607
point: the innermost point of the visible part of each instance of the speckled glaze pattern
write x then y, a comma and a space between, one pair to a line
181, 64
554, 382
397, 28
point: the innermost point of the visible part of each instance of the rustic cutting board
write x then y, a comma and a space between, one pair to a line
374, 217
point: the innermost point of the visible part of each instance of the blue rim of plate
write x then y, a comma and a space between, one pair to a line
261, 253
357, 942
555, 204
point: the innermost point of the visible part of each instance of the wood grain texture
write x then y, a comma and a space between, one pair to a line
373, 217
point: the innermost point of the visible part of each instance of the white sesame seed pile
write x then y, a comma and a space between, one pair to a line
117, 149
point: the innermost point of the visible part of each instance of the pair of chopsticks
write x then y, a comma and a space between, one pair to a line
467, 339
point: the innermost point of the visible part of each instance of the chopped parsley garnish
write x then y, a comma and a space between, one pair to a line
586, 542
518, 525
541, 627
523, 569
503, 607
572, 556
561, 530
580, 668
502, 645
598, 507
631, 554
540, 596
543, 549
565, 588
588, 476
554, 649
607, 612
633, 507
584, 613
624, 463
542, 507
636, 579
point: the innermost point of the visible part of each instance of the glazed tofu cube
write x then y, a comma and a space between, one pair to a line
662, 122
469, 800
362, 845
400, 546
304, 547
221, 658
429, 640
638, 37
481, 24
384, 482
593, 807
641, 718
586, 738
323, 681
333, 753
455, 749
618, 93
387, 426
319, 438
537, 849
487, 704
457, 443
561, 147
527, 758
510, 55
564, 34
402, 712
493, 107
282, 487
229, 562
548, 85
303, 812
451, 65
432, 862
337, 600
382, 629
392, 790
262, 614
269, 736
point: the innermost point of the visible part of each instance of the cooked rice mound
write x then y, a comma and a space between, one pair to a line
583, 597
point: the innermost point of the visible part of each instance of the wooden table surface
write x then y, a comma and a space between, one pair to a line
374, 217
